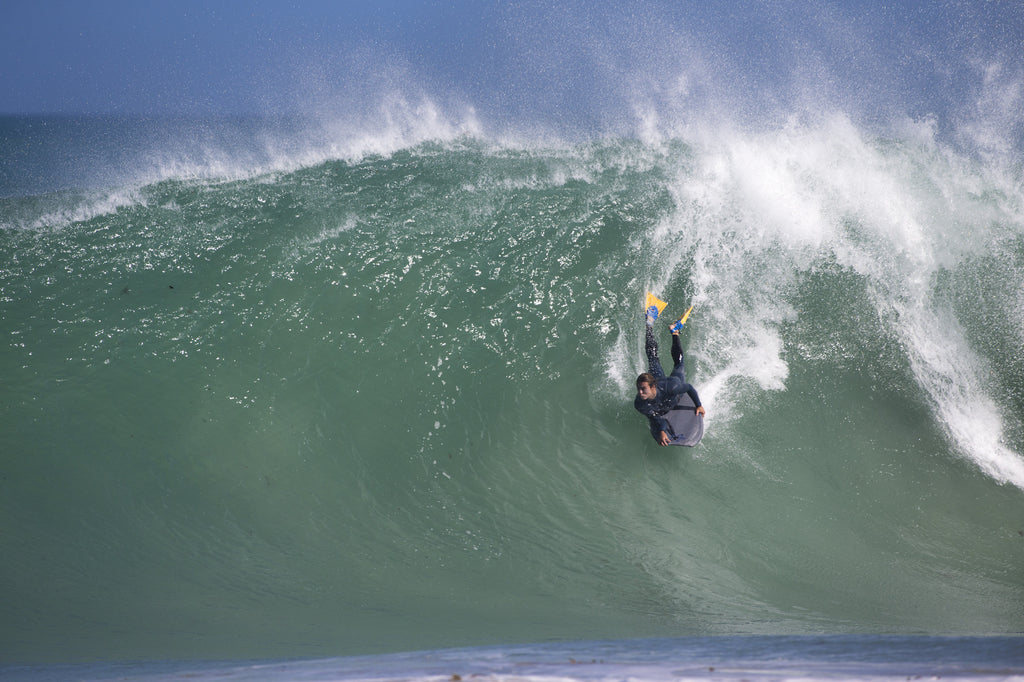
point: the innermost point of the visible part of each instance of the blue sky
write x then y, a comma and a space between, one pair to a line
545, 59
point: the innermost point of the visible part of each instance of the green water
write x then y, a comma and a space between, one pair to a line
386, 403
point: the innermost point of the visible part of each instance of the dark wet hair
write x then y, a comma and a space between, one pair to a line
645, 378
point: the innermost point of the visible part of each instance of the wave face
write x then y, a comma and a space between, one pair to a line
382, 401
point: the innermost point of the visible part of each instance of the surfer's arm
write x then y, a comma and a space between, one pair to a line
659, 430
659, 426
692, 392
675, 386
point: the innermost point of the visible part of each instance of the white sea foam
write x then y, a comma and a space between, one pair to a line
761, 207
59, 211
643, 660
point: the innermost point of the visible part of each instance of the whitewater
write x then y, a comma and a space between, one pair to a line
286, 394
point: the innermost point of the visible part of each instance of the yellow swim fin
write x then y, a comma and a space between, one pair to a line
681, 321
656, 303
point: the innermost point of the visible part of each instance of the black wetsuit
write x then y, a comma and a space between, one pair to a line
670, 387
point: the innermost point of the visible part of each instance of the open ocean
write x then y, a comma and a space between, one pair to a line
269, 394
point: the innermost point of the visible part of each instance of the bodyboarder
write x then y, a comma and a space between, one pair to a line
657, 394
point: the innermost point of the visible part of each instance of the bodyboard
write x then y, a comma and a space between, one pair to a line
687, 427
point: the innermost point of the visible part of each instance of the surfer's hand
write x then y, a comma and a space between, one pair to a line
663, 439
700, 411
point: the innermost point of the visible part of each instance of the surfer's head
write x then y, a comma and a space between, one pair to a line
646, 387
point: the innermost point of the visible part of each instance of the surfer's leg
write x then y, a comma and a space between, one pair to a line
677, 358
653, 363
